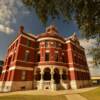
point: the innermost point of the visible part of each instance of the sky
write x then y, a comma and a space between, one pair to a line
13, 14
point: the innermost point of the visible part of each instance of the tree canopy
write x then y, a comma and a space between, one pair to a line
85, 12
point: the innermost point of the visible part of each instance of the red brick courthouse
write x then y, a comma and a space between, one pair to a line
44, 61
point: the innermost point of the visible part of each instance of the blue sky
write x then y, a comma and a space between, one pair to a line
13, 14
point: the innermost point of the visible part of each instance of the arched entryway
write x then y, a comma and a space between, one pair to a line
64, 75
56, 76
47, 74
38, 74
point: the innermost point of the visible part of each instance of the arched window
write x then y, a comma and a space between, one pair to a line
47, 74
56, 76
64, 76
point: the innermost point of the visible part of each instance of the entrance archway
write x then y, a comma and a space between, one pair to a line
47, 74
64, 75
56, 76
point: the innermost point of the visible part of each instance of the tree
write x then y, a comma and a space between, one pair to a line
85, 12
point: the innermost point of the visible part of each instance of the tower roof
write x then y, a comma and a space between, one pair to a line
51, 31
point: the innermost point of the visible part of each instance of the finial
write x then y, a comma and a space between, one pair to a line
51, 29
74, 34
21, 29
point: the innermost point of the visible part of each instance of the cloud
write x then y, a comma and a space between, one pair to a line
88, 45
10, 10
5, 29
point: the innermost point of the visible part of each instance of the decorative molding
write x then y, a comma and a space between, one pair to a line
28, 37
3, 71
77, 69
49, 38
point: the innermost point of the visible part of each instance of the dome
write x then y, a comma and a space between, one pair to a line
51, 31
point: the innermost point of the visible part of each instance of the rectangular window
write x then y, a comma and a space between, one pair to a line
63, 59
38, 57
26, 55
28, 43
47, 57
46, 43
23, 76
37, 45
56, 56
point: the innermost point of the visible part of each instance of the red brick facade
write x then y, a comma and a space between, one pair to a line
29, 51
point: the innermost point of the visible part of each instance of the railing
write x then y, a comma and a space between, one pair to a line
44, 82
47, 82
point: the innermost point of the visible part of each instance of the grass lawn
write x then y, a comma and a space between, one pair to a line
32, 97
92, 95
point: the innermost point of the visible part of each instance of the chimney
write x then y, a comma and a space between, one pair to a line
21, 30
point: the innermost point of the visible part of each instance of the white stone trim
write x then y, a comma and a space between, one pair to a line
24, 68
23, 35
28, 37
47, 51
6, 87
23, 61
49, 38
68, 41
71, 69
12, 68
16, 85
14, 41
3, 71
20, 67
27, 51
77, 69
79, 83
51, 66
56, 51
73, 84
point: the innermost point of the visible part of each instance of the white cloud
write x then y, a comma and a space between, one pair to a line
10, 10
6, 29
88, 45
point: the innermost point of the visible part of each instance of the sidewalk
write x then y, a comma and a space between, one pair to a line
75, 97
47, 92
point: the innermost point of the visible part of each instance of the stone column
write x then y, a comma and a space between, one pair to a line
41, 81
53, 87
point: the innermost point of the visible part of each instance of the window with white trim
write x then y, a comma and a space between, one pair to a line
23, 76
26, 56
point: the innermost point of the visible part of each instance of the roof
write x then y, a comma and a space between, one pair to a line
51, 31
